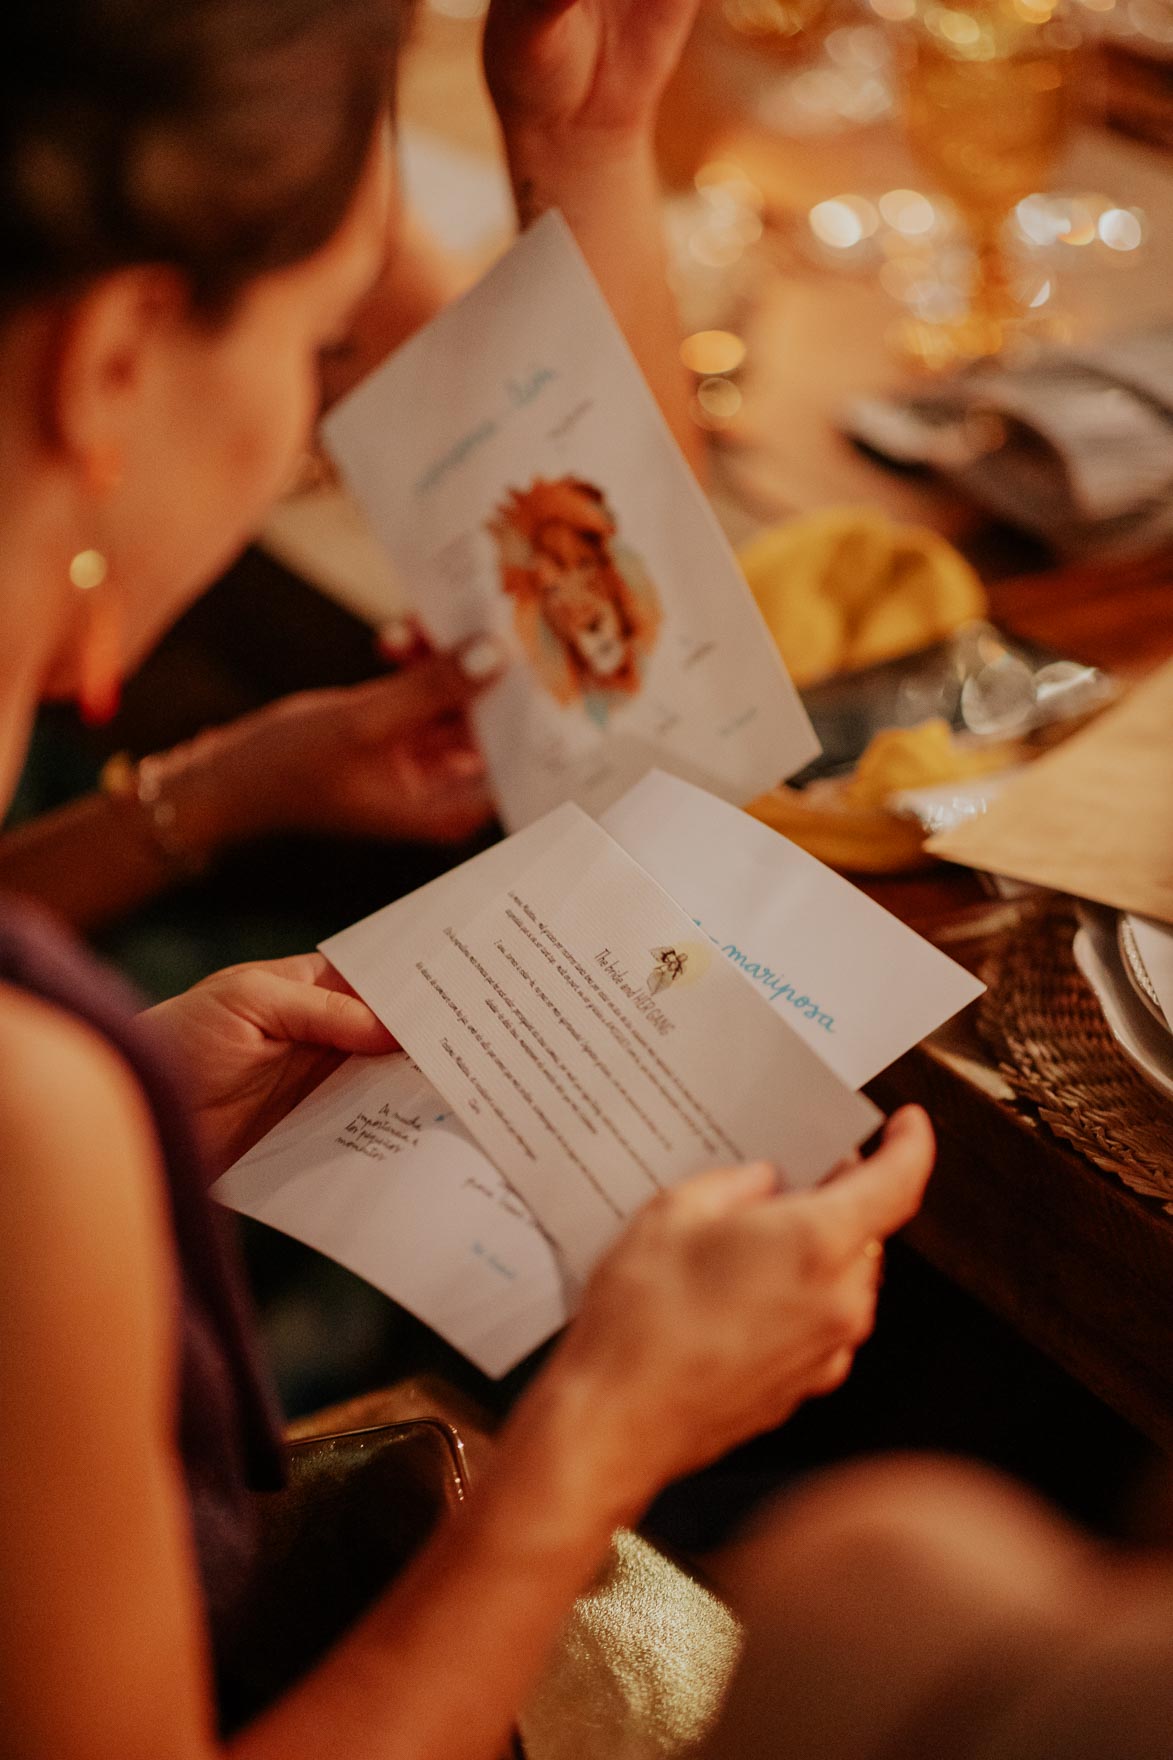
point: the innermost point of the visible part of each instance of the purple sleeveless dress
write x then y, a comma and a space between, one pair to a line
227, 1435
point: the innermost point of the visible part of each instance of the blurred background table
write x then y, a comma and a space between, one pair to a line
1081, 1266
816, 324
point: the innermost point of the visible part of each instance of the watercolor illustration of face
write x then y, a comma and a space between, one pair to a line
575, 600
583, 606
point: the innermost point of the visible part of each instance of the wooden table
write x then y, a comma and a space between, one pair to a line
1081, 1266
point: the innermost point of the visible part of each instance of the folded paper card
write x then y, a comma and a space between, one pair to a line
375, 1169
598, 1047
515, 466
1094, 817
848, 976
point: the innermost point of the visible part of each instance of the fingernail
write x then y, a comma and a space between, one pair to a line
397, 637
481, 658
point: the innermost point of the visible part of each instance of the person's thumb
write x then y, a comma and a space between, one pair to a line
721, 1190
303, 1014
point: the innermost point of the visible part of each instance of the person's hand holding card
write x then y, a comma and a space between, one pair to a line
378, 1169
537, 496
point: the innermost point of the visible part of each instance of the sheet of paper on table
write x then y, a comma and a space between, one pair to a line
518, 471
1094, 817
375, 1170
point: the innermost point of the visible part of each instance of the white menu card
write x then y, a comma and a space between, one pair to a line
517, 469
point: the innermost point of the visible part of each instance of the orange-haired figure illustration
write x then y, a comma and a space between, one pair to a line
586, 612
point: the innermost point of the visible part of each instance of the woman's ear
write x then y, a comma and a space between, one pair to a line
110, 342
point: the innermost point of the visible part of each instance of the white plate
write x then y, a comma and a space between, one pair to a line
1135, 969
1147, 1046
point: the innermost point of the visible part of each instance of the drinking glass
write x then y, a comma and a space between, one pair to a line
771, 25
986, 109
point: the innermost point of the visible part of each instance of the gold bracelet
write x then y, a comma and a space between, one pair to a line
142, 785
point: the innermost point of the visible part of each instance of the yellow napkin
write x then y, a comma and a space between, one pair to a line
846, 587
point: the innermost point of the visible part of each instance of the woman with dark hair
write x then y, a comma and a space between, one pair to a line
194, 195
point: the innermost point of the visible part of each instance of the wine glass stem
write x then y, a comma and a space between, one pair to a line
991, 288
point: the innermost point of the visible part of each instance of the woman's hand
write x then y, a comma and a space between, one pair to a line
596, 68
577, 85
254, 1040
392, 758
725, 1305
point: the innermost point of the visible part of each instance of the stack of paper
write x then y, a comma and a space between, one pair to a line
581, 1036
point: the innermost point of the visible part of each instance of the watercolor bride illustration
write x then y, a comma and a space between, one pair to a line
584, 608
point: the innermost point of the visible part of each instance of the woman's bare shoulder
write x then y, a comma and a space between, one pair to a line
80, 1185
54, 1068
99, 1620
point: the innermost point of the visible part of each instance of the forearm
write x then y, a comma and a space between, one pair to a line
84, 862
98, 858
609, 193
441, 1667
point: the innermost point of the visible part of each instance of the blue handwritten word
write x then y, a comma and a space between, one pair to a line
779, 988
519, 392
523, 391
456, 455
495, 1264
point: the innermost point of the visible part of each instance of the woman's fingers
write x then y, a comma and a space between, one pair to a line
299, 968
302, 1000
316, 1014
402, 639
394, 708
706, 1197
442, 749
877, 1197
464, 763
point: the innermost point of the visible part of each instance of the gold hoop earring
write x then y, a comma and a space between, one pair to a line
99, 689
88, 570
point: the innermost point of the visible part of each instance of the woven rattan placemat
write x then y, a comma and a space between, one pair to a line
1041, 1020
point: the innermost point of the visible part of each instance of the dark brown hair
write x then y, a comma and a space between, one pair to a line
224, 138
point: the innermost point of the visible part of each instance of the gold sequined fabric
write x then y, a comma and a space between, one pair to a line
642, 1667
